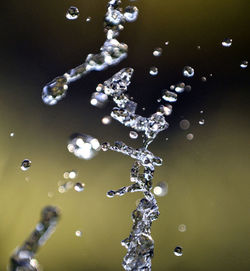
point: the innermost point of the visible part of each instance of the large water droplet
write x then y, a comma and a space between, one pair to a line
180, 87
153, 71
244, 64
182, 228
26, 164
188, 71
83, 146
78, 233
227, 42
201, 121
169, 96
72, 13
106, 120
157, 52
70, 174
190, 136
131, 13
178, 251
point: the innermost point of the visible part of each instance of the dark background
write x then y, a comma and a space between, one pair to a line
208, 177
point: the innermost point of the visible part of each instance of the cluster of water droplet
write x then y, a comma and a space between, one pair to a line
23, 258
139, 244
111, 53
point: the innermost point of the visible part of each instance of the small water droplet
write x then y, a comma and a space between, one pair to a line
161, 189
202, 122
244, 64
190, 136
166, 42
79, 187
131, 13
198, 47
88, 19
26, 164
105, 146
184, 124
106, 120
83, 146
188, 71
180, 87
133, 135
178, 251
12, 134
153, 71
182, 227
157, 51
204, 79
72, 13
227, 42
169, 96
78, 233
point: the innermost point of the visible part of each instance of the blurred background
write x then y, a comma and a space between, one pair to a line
207, 177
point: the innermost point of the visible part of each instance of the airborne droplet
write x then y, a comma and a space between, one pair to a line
131, 13
79, 187
78, 233
178, 251
161, 189
188, 71
26, 164
157, 52
153, 71
169, 96
133, 135
227, 42
244, 64
72, 13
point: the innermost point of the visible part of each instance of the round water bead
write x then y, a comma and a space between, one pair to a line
190, 136
133, 135
166, 42
79, 187
88, 19
106, 120
188, 88
157, 51
180, 87
72, 13
169, 96
105, 146
165, 109
99, 99
83, 146
184, 124
188, 71
201, 121
12, 134
161, 189
131, 13
182, 228
153, 71
26, 164
227, 42
204, 79
78, 233
244, 64
178, 251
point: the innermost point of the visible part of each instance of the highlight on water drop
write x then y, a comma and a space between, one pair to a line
227, 42
79, 187
26, 164
188, 71
178, 251
153, 71
72, 13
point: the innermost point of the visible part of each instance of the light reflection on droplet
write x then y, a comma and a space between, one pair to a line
178, 251
227, 42
79, 187
201, 121
88, 19
78, 233
26, 164
157, 51
12, 134
161, 189
244, 64
98, 99
190, 136
188, 71
133, 135
153, 71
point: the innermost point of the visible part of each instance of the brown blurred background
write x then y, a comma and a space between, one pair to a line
208, 177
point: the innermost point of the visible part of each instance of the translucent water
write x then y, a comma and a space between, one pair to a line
161, 189
78, 233
23, 259
188, 71
72, 13
244, 64
178, 251
26, 164
111, 53
153, 71
227, 42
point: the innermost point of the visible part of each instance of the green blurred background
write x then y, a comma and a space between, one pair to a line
208, 177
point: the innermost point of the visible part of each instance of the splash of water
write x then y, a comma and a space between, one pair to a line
139, 244
23, 258
111, 53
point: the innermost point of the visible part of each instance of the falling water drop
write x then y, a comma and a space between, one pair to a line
188, 71
133, 135
105, 146
204, 79
106, 120
227, 42
161, 189
131, 13
184, 124
153, 71
157, 51
201, 121
166, 42
165, 109
244, 64
180, 87
79, 187
83, 146
26, 164
88, 19
178, 251
72, 13
12, 134
78, 233
99, 99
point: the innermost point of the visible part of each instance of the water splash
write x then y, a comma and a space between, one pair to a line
139, 244
111, 53
23, 258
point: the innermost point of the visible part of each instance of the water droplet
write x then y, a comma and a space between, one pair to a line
178, 251
78, 233
198, 47
26, 164
161, 189
72, 13
65, 187
165, 109
202, 122
188, 71
180, 87
157, 51
201, 111
72, 174
133, 135
227, 42
184, 124
79, 187
244, 64
166, 42
204, 79
106, 120
12, 134
182, 227
105, 146
88, 19
169, 96
153, 71
83, 146
99, 99
131, 13
190, 136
